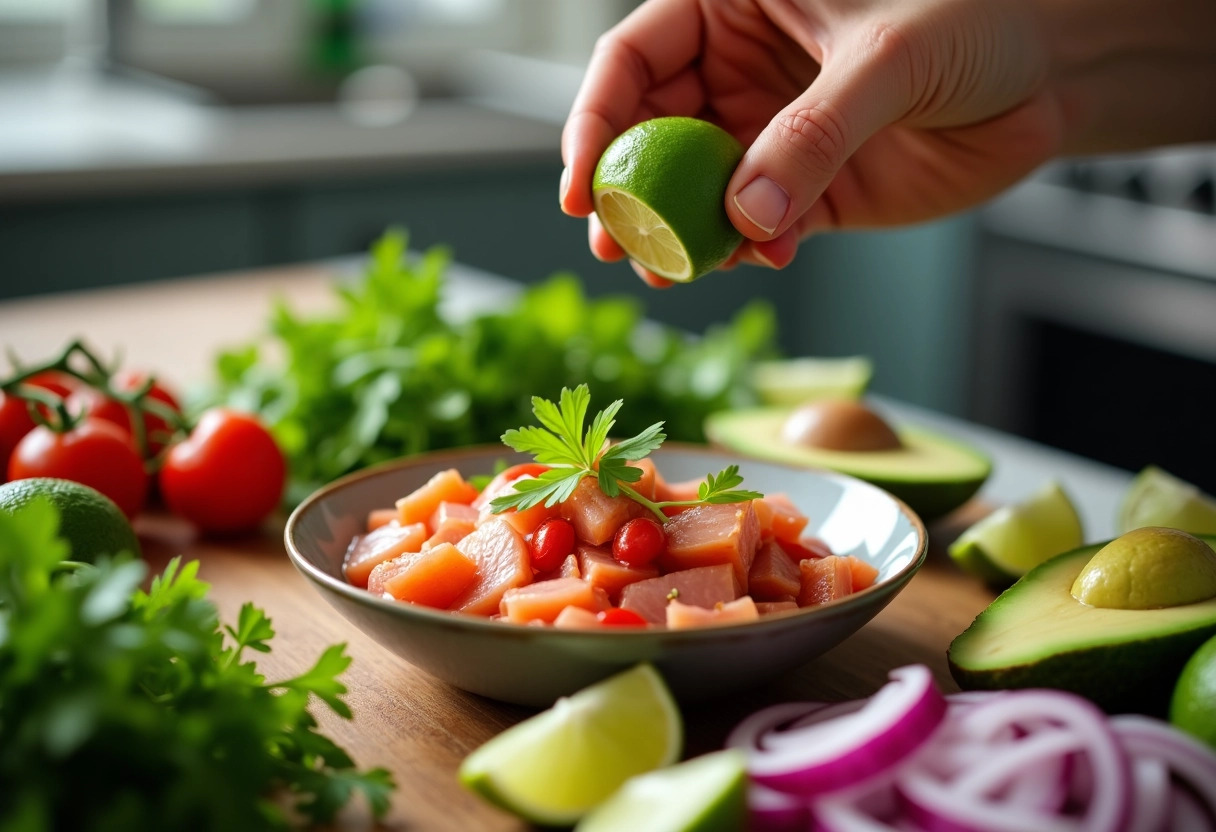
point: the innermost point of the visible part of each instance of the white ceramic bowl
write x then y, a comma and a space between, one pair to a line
536, 665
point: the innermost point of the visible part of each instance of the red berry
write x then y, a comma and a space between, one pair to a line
617, 617
639, 541
551, 542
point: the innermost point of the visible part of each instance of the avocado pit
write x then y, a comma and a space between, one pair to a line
839, 425
1148, 568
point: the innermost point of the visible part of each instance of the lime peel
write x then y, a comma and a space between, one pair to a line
1014, 539
704, 794
660, 191
559, 764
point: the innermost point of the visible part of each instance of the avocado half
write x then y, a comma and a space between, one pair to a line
932, 474
1037, 635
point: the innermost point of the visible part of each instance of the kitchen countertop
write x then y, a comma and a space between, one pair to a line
419, 727
80, 138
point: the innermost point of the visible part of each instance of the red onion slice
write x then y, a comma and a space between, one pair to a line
1046, 712
825, 753
1151, 800
1186, 757
772, 811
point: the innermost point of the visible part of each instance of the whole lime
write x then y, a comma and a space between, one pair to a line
1193, 707
660, 191
88, 520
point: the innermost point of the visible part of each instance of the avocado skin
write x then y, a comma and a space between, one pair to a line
1142, 681
930, 500
1121, 677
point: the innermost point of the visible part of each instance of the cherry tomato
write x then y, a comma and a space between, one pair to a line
96, 404
15, 422
618, 617
498, 486
551, 542
639, 541
227, 476
94, 453
61, 384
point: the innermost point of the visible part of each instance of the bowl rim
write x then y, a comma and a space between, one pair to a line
455, 620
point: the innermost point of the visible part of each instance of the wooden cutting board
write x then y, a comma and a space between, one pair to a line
420, 728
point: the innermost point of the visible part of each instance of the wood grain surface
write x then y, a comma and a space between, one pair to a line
414, 725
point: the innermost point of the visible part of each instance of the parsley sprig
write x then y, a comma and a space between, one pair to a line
574, 451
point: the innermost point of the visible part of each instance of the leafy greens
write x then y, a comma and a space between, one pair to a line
122, 709
575, 453
386, 375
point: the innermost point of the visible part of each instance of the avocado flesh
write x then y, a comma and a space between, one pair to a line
930, 473
1037, 635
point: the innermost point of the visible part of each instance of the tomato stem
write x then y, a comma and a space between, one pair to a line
77, 360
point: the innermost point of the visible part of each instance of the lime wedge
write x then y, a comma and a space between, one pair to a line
704, 794
1158, 498
660, 192
1014, 539
556, 766
799, 380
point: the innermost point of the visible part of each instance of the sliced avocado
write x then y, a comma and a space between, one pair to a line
931, 473
1036, 634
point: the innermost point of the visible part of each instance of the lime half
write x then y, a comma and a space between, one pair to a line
1014, 539
705, 794
1158, 498
556, 766
660, 191
799, 380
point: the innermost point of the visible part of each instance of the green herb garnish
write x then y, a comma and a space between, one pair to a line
129, 709
574, 452
385, 374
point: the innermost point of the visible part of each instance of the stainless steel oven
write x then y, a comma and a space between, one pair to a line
1094, 326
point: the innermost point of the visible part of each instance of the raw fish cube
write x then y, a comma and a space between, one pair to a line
379, 546
682, 616
503, 562
545, 600
596, 516
703, 587
824, 580
774, 574
420, 504
601, 569
709, 534
433, 578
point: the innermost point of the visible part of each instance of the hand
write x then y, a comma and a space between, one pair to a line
856, 113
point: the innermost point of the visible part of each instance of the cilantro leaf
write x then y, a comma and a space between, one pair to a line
92, 669
562, 443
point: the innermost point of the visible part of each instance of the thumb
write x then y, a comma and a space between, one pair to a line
793, 160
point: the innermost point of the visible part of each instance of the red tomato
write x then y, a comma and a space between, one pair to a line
498, 486
228, 476
15, 422
94, 453
617, 617
96, 404
639, 541
61, 384
551, 542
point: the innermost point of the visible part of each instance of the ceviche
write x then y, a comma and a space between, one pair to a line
590, 534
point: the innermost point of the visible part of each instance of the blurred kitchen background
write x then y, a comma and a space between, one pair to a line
151, 139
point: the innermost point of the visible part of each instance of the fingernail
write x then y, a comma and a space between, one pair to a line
564, 186
764, 202
759, 255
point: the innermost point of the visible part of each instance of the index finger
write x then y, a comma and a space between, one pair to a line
652, 44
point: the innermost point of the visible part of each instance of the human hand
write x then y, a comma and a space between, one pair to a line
855, 113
